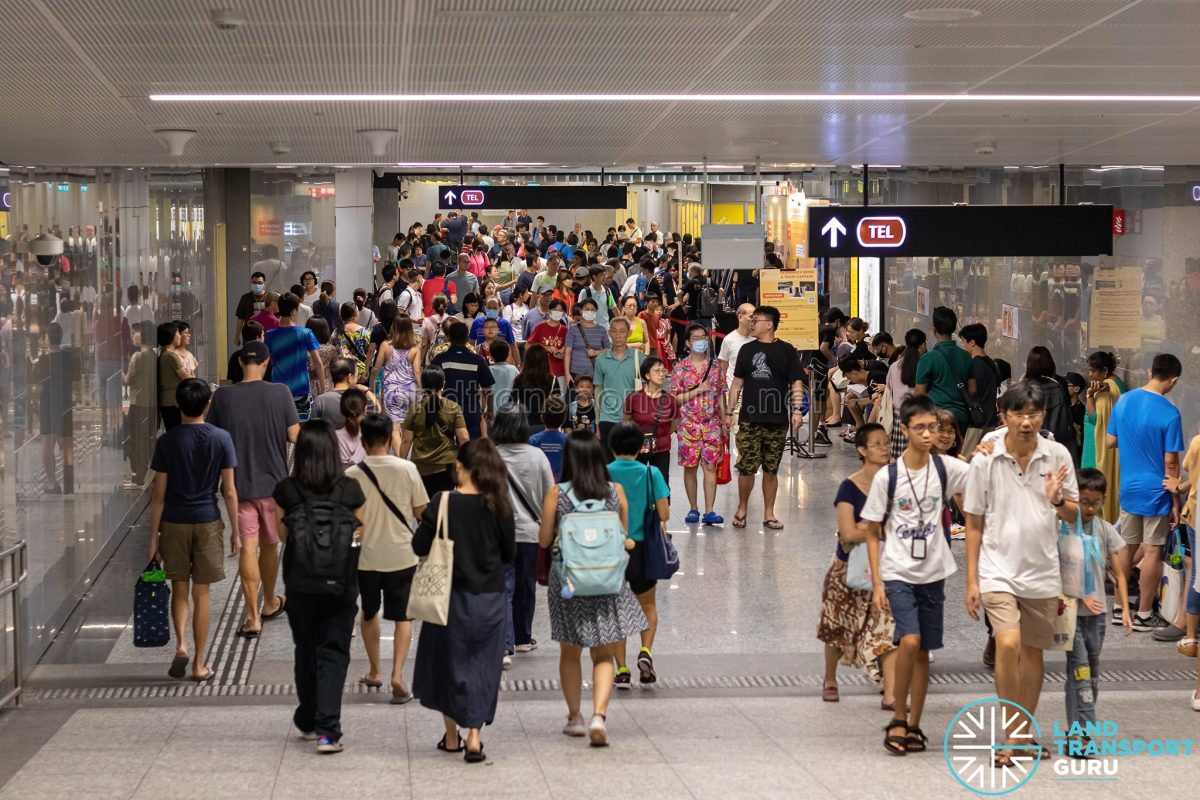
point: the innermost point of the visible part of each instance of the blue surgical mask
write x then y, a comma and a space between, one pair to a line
492, 313
258, 288
700, 346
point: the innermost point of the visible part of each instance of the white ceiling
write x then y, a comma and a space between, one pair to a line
78, 76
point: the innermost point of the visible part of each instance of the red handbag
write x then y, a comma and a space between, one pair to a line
724, 468
543, 566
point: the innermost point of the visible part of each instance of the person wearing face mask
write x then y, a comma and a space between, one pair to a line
698, 383
250, 303
584, 342
491, 310
552, 335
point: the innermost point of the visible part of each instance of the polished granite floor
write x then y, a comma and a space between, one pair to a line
737, 714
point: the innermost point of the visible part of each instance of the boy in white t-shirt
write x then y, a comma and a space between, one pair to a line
910, 561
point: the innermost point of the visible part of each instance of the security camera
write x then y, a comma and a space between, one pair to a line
46, 247
985, 147
403, 195
688, 169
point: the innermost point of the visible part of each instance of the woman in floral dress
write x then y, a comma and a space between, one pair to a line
698, 383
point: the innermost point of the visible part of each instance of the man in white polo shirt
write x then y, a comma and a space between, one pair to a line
1014, 499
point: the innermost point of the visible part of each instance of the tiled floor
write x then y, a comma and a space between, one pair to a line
742, 612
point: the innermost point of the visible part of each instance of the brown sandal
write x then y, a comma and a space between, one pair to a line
830, 694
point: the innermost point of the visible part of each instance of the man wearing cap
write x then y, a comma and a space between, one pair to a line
539, 312
261, 418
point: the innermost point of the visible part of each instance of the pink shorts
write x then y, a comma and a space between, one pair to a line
256, 520
693, 451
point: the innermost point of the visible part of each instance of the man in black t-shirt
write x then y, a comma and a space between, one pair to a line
468, 379
769, 379
983, 372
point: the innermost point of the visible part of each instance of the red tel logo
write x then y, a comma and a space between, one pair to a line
471, 197
881, 231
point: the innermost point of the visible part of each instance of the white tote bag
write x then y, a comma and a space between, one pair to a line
429, 600
858, 569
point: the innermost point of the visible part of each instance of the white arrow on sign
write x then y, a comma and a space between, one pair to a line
450, 197
834, 228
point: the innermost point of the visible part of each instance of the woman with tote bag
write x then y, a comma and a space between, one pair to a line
458, 663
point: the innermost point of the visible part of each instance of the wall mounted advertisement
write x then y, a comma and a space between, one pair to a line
869, 276
1008, 321
794, 293
924, 308
1116, 318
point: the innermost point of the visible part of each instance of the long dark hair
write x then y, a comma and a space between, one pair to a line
535, 368
914, 340
585, 467
489, 474
317, 464
433, 380
1039, 364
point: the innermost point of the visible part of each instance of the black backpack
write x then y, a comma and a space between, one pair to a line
319, 556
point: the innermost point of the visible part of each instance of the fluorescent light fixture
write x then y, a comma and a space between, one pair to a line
1110, 167
675, 98
463, 165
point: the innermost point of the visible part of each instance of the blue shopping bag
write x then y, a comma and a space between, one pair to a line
152, 607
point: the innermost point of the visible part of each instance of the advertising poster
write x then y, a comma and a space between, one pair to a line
868, 275
794, 293
1008, 321
1116, 317
923, 306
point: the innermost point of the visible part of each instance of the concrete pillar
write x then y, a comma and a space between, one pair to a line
387, 218
353, 231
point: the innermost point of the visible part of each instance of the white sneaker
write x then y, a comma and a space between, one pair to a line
575, 726
527, 648
1195, 702
598, 732
507, 662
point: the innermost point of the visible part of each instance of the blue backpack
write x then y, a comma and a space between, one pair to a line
591, 543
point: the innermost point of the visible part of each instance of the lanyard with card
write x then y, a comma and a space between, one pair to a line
919, 545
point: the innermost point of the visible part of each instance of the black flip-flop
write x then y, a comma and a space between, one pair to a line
773, 524
896, 745
277, 611
241, 631
178, 667
441, 745
475, 756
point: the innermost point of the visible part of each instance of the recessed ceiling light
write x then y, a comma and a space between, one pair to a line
941, 14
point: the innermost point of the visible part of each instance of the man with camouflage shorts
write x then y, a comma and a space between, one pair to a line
769, 372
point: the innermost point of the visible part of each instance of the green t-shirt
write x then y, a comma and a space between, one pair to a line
941, 370
632, 477
614, 379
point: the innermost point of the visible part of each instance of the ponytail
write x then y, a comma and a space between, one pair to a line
433, 380
353, 407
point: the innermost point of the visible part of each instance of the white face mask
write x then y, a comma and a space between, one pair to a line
556, 315
589, 315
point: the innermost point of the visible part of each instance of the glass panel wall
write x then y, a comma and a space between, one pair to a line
291, 225
78, 405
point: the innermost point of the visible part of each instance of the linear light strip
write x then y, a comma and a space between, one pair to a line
672, 98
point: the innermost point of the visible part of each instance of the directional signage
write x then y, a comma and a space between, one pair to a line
531, 197
848, 231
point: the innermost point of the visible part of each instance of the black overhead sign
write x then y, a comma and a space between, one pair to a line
846, 231
531, 197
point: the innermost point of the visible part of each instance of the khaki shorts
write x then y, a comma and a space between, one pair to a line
192, 552
1034, 618
1136, 529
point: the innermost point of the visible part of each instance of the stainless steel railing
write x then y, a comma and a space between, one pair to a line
14, 568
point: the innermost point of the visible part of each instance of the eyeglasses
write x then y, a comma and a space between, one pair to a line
1031, 417
756, 320
1091, 503
934, 428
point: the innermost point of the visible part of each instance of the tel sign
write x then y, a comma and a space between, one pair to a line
881, 231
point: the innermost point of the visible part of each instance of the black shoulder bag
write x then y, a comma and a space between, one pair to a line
387, 500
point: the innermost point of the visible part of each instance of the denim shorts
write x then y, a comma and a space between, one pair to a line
918, 608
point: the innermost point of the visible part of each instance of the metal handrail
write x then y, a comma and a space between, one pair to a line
17, 558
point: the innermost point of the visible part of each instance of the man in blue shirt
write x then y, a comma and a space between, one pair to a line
462, 280
294, 355
469, 379
491, 310
1147, 431
192, 462
455, 226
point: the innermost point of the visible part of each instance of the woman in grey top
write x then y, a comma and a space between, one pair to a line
532, 479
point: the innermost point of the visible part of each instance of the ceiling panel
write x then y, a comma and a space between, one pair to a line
88, 104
